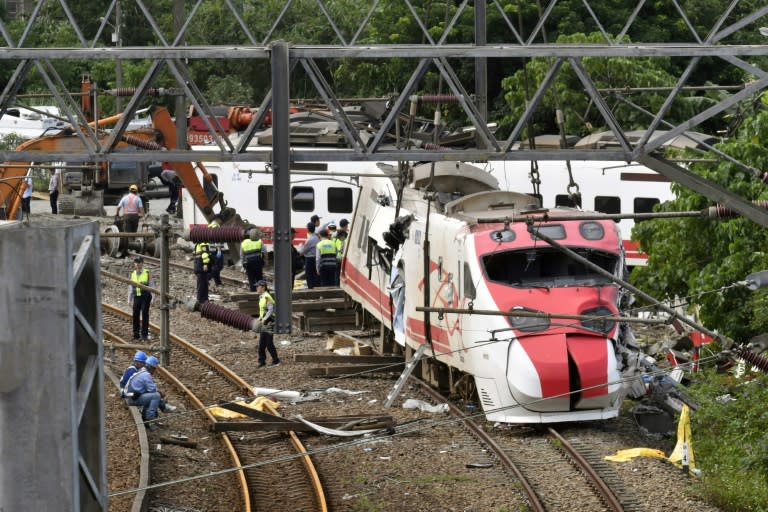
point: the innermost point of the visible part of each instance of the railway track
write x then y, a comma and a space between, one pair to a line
587, 483
269, 461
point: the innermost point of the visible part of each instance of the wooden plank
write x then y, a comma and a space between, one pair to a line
335, 358
180, 442
253, 413
361, 349
262, 426
319, 305
336, 342
322, 292
314, 324
355, 370
247, 296
293, 426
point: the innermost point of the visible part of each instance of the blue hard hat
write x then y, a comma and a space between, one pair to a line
152, 361
140, 357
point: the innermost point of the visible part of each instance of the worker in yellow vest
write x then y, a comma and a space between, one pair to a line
202, 271
326, 259
252, 254
340, 241
266, 323
140, 299
217, 256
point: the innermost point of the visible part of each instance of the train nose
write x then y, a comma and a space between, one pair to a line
562, 372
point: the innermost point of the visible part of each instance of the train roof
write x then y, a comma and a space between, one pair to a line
453, 177
496, 204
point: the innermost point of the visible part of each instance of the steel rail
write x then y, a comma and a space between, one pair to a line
598, 483
533, 498
248, 389
200, 406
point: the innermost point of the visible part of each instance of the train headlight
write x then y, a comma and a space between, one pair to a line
599, 324
532, 321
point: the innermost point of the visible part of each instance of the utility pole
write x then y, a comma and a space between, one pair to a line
181, 114
481, 67
117, 38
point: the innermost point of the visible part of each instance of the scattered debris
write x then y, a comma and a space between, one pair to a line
413, 403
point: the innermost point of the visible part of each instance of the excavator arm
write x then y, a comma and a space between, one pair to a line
12, 186
202, 190
163, 134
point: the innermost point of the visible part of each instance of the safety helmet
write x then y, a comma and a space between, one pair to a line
332, 225
140, 356
133, 188
152, 361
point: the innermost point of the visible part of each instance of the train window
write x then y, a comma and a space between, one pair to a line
591, 230
303, 199
567, 200
469, 286
553, 231
607, 204
339, 200
546, 267
266, 198
645, 204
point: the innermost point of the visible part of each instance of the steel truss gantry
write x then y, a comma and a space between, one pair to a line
436, 52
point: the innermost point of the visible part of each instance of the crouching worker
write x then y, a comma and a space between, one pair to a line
142, 391
139, 359
266, 322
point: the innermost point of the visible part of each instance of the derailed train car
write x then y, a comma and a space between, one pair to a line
451, 240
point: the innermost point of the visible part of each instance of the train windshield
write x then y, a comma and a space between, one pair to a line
548, 267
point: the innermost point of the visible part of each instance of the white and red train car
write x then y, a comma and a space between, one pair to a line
605, 186
331, 191
479, 254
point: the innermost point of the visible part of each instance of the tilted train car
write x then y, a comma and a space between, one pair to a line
473, 242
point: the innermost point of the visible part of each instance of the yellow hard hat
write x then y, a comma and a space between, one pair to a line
133, 188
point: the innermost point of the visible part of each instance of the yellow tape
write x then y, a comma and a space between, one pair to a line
683, 452
257, 403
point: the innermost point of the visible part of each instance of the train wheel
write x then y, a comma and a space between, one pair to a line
111, 245
465, 388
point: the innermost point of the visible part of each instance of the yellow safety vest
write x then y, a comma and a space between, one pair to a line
250, 246
264, 299
142, 278
326, 247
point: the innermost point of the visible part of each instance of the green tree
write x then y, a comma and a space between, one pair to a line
697, 259
581, 117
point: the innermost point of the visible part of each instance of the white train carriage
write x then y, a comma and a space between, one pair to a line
329, 191
525, 370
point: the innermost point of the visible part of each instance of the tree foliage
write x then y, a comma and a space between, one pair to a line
697, 259
393, 23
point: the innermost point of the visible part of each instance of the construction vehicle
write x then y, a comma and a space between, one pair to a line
85, 187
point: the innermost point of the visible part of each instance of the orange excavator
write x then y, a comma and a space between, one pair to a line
84, 186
